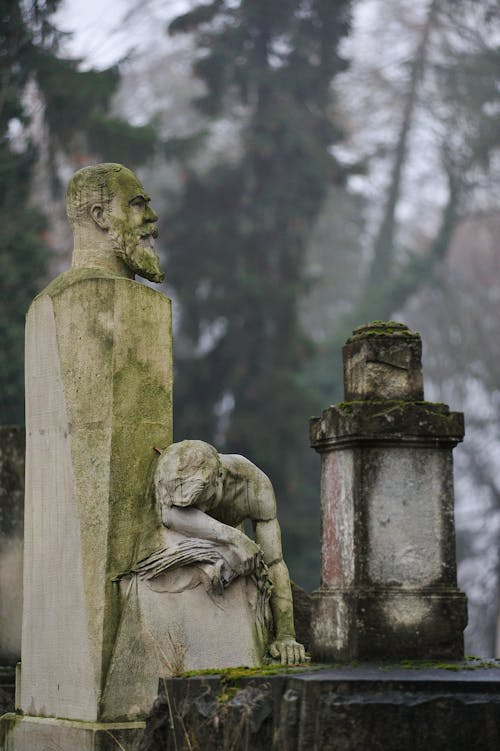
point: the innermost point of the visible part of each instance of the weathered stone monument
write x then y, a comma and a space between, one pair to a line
98, 400
388, 570
388, 603
208, 596
126, 579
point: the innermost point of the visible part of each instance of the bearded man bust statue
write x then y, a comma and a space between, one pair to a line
98, 399
113, 222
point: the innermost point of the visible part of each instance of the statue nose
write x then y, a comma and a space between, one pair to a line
152, 215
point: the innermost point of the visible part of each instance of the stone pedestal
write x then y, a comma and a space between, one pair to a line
172, 624
388, 568
98, 400
49, 733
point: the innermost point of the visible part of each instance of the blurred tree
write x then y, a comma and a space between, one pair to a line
383, 245
462, 356
438, 214
445, 104
76, 107
238, 236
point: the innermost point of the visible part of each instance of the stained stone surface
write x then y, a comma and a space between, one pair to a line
98, 396
365, 708
98, 371
388, 564
382, 360
172, 624
48, 734
206, 498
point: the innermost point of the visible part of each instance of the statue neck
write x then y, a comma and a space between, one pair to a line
93, 250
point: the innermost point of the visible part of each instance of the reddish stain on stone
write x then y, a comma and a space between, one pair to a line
332, 574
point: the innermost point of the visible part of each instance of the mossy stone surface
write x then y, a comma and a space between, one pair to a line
99, 396
368, 706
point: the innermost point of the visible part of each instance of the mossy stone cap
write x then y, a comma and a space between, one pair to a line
382, 328
383, 360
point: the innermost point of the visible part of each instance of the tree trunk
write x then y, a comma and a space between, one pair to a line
383, 249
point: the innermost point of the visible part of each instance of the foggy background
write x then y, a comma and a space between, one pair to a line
315, 165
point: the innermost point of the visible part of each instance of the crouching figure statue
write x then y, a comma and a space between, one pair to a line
209, 496
207, 596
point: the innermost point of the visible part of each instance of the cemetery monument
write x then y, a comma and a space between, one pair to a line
128, 573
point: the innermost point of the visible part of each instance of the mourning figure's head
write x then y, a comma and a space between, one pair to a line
188, 473
111, 198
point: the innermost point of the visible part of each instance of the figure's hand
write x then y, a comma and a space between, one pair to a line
289, 651
249, 556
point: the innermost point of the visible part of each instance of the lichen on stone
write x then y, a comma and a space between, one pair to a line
382, 328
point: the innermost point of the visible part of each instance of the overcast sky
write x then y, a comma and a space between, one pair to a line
99, 35
94, 25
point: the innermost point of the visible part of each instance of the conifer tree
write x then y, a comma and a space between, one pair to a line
76, 104
237, 237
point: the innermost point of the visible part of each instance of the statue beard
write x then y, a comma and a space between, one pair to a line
136, 248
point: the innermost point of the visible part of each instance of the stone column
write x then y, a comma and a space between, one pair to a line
98, 401
388, 569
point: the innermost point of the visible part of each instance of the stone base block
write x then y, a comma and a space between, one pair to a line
167, 629
364, 708
25, 733
388, 624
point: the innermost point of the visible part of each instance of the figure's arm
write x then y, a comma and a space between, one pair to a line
268, 536
244, 554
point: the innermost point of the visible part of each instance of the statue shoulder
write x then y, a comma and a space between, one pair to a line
73, 276
259, 491
240, 467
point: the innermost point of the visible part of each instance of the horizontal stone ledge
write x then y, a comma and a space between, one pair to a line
388, 623
20, 732
382, 421
377, 441
377, 589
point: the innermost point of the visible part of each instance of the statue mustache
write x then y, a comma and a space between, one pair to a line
149, 230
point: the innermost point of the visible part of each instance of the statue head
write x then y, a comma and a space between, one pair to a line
188, 473
108, 198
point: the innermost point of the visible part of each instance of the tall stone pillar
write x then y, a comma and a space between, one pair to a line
388, 569
98, 402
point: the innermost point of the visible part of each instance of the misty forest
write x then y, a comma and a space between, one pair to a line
315, 165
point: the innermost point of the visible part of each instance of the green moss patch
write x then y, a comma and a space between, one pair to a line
469, 663
382, 328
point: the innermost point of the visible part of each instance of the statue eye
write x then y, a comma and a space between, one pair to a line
138, 203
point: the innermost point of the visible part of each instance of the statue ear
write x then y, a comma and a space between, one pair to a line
98, 215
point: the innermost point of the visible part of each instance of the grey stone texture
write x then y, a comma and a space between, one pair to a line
388, 567
98, 396
98, 402
206, 498
382, 360
366, 708
169, 625
110, 600
25, 733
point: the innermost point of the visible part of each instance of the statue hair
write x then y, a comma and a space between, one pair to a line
183, 471
90, 185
